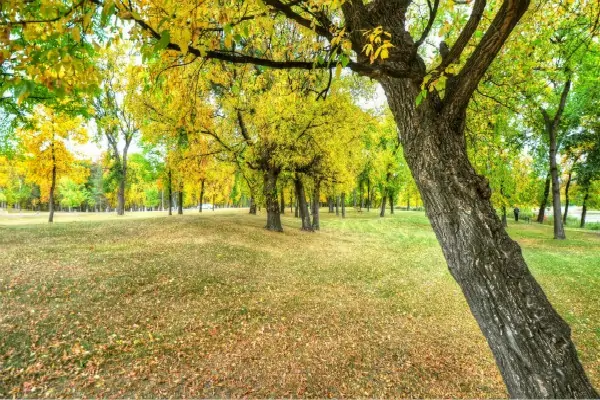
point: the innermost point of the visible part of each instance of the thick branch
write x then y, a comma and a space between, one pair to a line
286, 10
432, 14
467, 80
465, 35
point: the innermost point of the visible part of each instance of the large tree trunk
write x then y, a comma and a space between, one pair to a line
544, 202
201, 200
559, 230
52, 186
343, 205
530, 341
567, 197
316, 222
584, 206
272, 202
302, 205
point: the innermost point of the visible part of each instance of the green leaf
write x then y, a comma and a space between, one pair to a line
421, 97
163, 42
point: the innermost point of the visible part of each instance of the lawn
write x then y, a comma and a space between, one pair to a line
213, 305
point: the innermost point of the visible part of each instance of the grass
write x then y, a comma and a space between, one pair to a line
215, 306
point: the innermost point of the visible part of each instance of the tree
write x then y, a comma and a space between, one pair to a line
114, 118
48, 156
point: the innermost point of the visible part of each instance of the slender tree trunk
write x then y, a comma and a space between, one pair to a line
282, 206
316, 223
201, 200
270, 192
542, 212
567, 198
531, 343
368, 195
559, 230
180, 202
302, 208
252, 205
504, 219
584, 207
52, 186
170, 191
296, 208
391, 203
292, 202
121, 189
383, 199
354, 198
343, 205
337, 206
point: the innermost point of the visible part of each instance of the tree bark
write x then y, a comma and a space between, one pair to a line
383, 199
52, 185
584, 206
302, 207
531, 343
559, 230
272, 201
282, 207
542, 211
180, 202
567, 198
552, 125
316, 223
343, 205
337, 206
504, 219
391, 203
201, 200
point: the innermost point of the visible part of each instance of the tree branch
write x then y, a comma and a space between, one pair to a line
466, 81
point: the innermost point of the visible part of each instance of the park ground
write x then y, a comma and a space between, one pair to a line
213, 305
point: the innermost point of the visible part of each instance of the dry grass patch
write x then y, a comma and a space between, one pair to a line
215, 306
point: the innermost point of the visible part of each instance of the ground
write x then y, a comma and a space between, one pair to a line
213, 305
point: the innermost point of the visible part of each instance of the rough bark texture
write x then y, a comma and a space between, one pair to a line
530, 341
567, 198
201, 200
272, 201
542, 212
316, 223
302, 205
